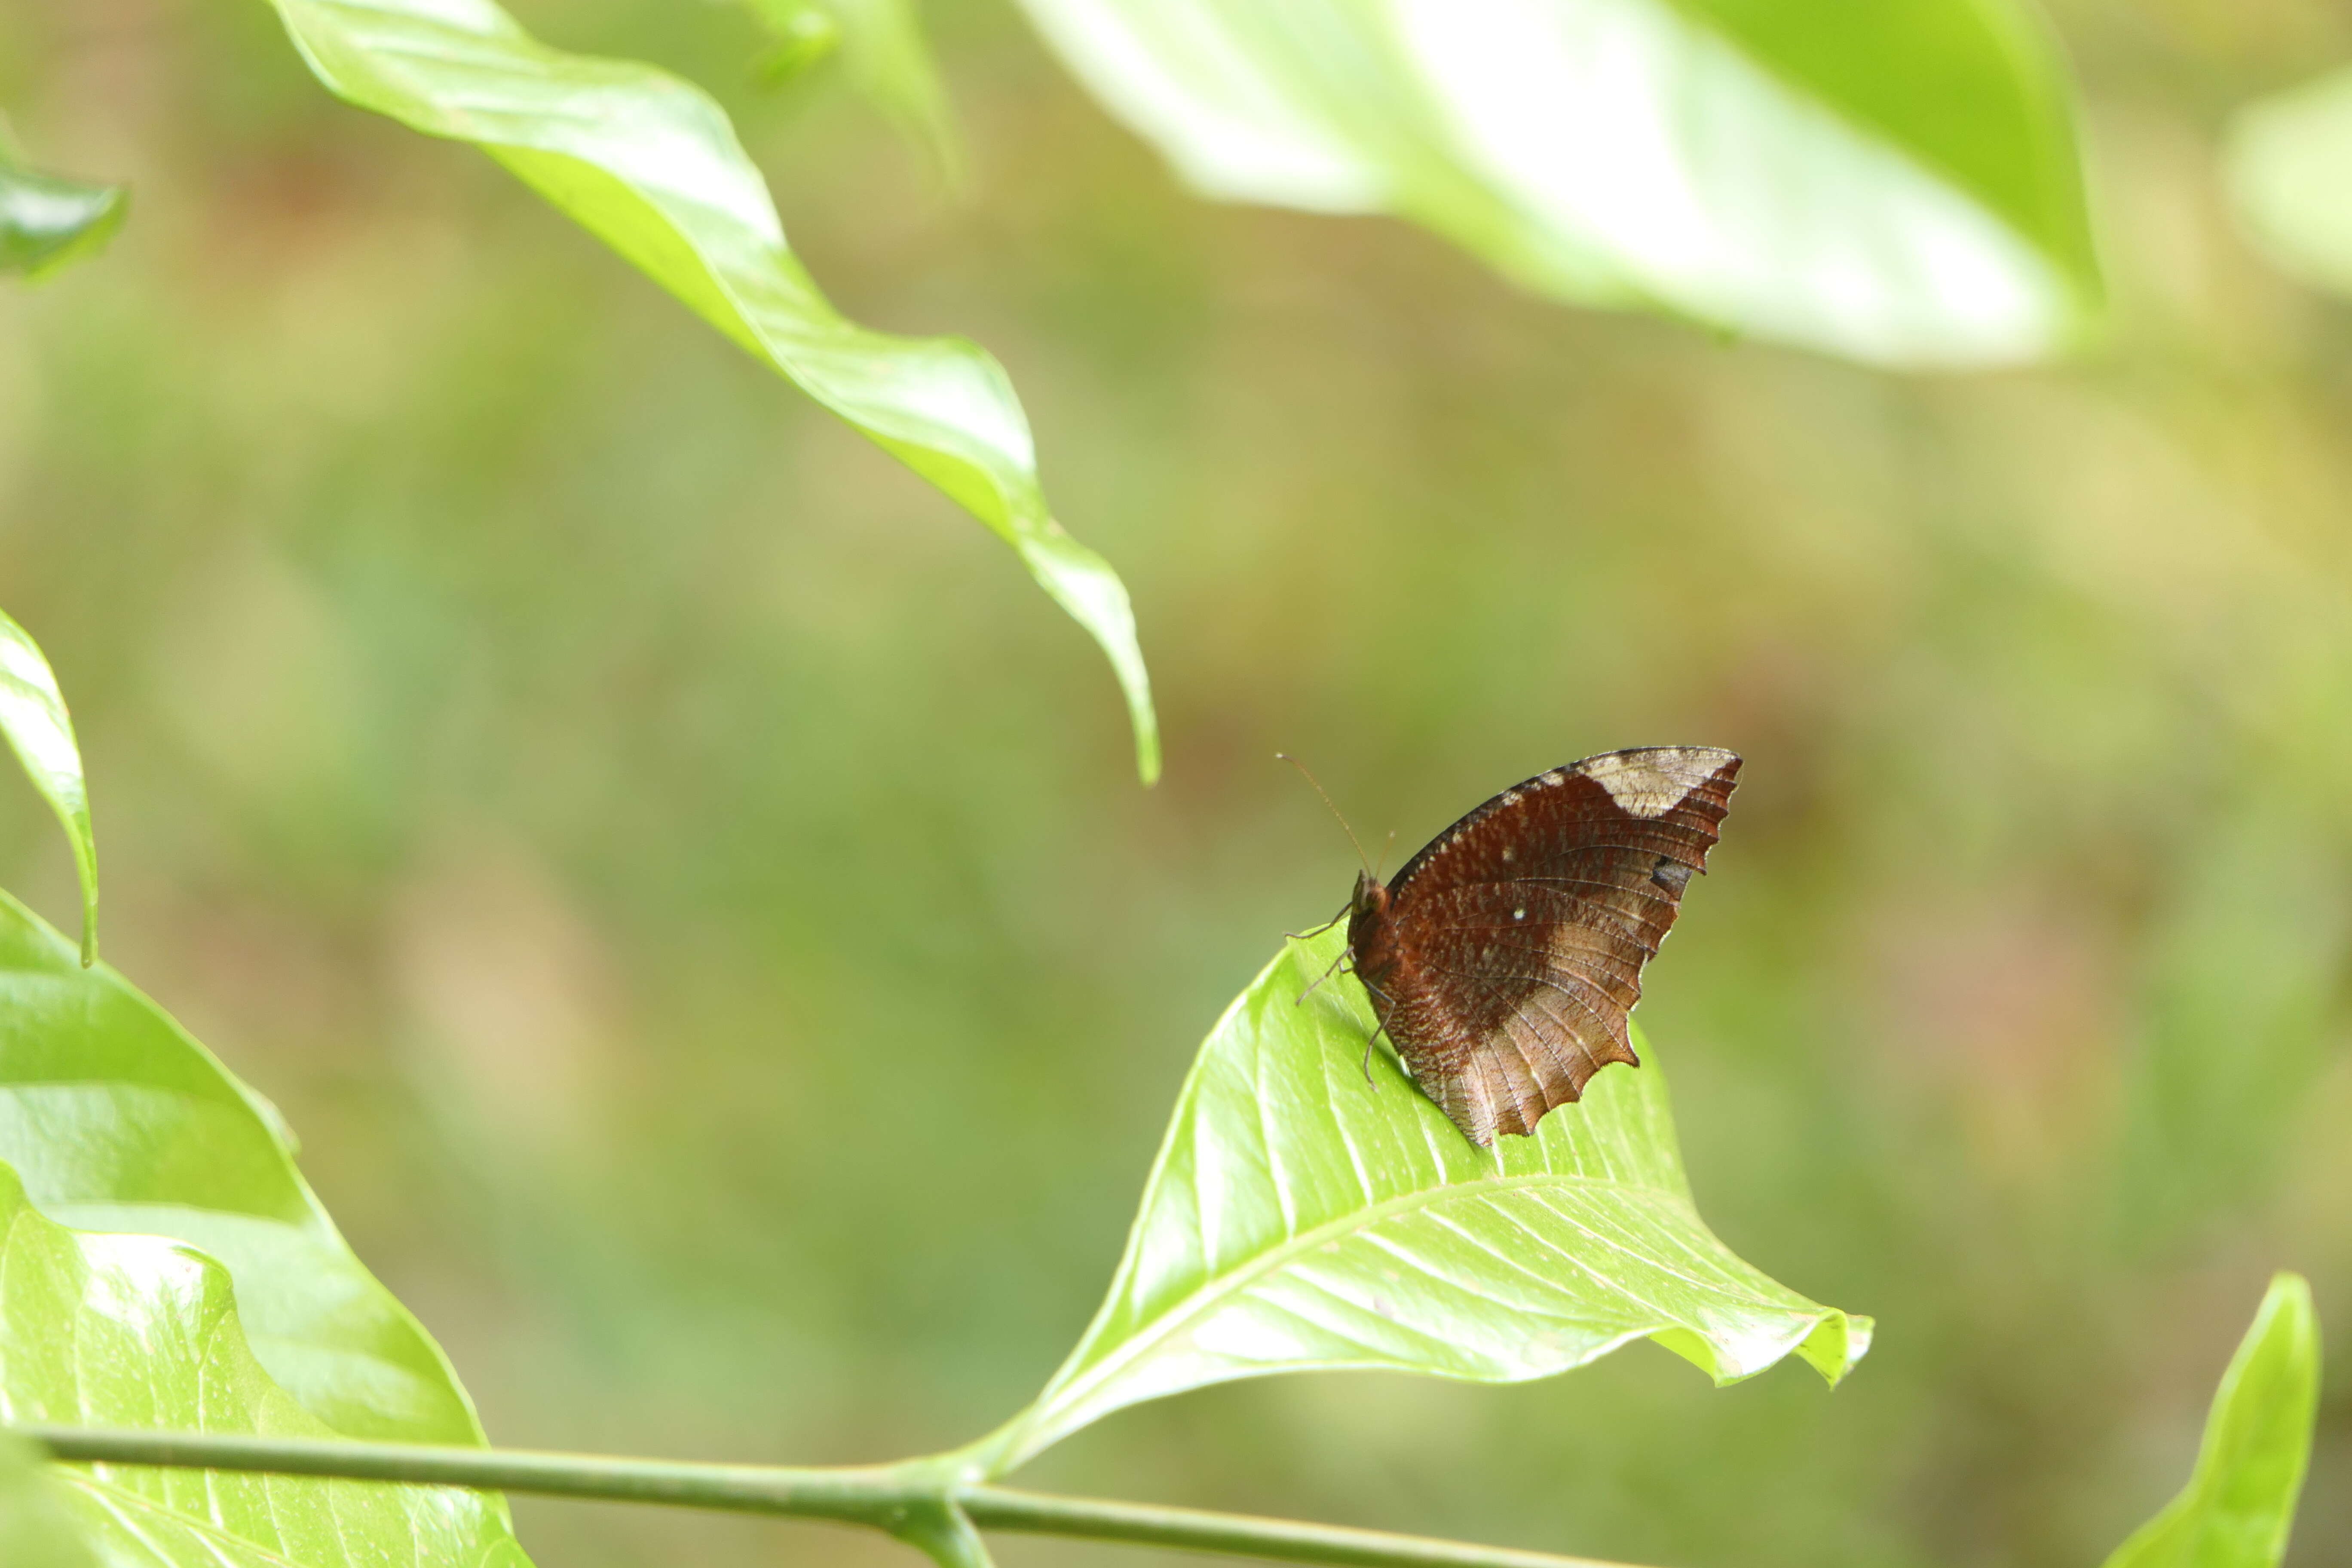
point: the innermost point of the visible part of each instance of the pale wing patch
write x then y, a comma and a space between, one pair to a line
1651, 782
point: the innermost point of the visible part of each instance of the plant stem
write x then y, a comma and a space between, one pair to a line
884, 1495
1240, 1534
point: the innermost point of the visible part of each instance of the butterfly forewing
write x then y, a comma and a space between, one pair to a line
1505, 957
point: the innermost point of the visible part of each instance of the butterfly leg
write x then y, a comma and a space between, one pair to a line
1380, 1026
1318, 931
1319, 979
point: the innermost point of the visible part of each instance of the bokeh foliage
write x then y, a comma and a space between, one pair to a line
47, 222
699, 914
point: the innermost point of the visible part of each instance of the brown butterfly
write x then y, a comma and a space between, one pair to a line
1503, 958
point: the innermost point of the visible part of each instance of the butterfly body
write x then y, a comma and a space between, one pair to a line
1503, 959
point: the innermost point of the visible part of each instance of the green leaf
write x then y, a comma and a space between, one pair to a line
117, 1122
804, 35
136, 1330
2289, 162
1897, 181
37, 1530
32, 716
46, 221
2239, 1505
649, 164
1300, 1217
880, 43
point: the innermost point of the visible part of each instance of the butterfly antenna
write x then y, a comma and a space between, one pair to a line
1294, 761
1384, 853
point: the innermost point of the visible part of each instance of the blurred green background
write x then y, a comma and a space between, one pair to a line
691, 895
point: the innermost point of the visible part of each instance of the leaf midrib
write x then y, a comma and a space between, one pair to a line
1222, 1287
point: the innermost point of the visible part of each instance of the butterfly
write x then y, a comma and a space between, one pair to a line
1503, 959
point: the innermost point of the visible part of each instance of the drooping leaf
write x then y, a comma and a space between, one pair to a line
650, 165
117, 1122
37, 1528
880, 44
32, 716
1301, 1217
2239, 1505
2289, 164
1897, 183
46, 221
136, 1330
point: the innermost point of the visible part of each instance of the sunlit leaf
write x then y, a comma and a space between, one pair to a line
136, 1330
1895, 182
118, 1122
46, 221
38, 1527
649, 164
32, 716
2290, 165
880, 45
1299, 1217
2239, 1505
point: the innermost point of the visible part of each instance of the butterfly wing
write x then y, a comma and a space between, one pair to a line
1520, 932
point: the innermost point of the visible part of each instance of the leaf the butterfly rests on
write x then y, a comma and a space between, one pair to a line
1503, 959
1299, 1219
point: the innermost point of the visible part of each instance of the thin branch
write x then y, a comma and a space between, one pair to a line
884, 1495
1241, 1534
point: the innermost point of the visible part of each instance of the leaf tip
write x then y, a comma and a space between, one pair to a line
1838, 1343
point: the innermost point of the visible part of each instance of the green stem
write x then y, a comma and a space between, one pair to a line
894, 1498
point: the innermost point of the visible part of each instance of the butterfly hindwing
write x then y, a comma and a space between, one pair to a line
1503, 959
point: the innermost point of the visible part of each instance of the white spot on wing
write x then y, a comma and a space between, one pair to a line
1652, 783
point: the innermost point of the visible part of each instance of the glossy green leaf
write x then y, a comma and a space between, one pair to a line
1897, 181
46, 221
1300, 1217
2239, 1505
2289, 165
38, 1527
117, 1122
879, 44
136, 1330
649, 164
32, 716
